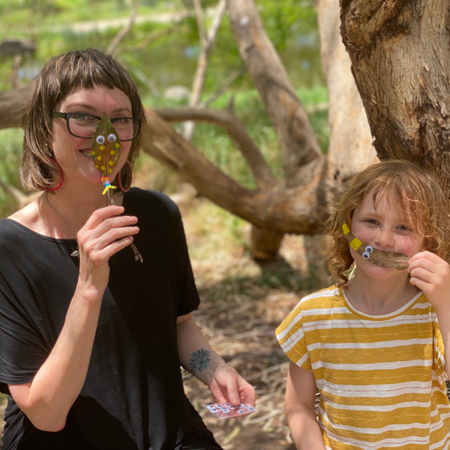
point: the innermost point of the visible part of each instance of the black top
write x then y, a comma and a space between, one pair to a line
133, 395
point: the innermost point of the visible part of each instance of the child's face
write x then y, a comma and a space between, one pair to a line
385, 229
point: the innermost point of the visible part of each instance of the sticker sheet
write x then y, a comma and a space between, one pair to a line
227, 410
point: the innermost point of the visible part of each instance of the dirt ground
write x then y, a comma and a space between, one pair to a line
242, 304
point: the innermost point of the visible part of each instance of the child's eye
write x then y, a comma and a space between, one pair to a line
371, 221
404, 228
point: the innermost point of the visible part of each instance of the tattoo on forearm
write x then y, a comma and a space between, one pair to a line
199, 360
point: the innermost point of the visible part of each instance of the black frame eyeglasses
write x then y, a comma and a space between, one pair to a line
66, 116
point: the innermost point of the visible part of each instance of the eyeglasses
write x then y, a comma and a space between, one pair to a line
83, 125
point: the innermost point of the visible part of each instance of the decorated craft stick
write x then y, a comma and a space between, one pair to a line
106, 151
386, 259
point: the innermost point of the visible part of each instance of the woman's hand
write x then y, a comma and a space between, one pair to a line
431, 274
228, 386
104, 234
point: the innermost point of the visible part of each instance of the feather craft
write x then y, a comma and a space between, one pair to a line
106, 150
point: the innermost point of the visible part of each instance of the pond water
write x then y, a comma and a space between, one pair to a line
173, 61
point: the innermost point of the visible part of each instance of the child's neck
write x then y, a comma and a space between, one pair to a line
379, 297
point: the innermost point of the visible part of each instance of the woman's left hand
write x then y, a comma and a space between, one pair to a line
431, 274
228, 386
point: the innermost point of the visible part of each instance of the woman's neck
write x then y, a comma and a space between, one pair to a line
379, 297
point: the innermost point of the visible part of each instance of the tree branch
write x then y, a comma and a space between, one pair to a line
261, 172
226, 84
125, 30
350, 149
297, 141
19, 197
207, 42
149, 40
298, 210
14, 105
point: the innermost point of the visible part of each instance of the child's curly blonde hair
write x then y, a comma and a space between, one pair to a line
414, 191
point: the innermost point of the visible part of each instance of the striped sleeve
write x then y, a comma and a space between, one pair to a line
291, 337
439, 353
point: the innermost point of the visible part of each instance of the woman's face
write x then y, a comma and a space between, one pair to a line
72, 153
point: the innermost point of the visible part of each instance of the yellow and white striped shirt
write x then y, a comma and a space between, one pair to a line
381, 378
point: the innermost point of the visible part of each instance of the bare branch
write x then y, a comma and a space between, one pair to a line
261, 172
298, 210
200, 24
207, 43
226, 84
15, 71
19, 197
13, 106
297, 141
149, 40
126, 29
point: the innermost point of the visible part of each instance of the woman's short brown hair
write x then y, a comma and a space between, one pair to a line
84, 69
414, 191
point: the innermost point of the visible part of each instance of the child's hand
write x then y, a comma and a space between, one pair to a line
431, 274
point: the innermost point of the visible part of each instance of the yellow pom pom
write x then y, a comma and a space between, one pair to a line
103, 167
99, 158
102, 147
110, 170
93, 153
113, 152
117, 145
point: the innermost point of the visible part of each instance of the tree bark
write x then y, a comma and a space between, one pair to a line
295, 136
399, 55
302, 202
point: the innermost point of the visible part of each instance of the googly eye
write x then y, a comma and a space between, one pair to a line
219, 406
210, 406
366, 255
214, 410
369, 249
227, 405
112, 138
241, 411
100, 139
233, 407
225, 410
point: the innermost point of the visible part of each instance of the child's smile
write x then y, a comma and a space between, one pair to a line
384, 228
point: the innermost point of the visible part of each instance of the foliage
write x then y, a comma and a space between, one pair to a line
11, 140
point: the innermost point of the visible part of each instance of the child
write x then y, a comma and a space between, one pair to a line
371, 344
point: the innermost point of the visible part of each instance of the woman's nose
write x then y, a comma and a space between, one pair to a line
384, 238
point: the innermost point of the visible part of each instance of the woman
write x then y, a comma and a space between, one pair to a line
90, 340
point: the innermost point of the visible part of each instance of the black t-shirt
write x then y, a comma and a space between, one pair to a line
133, 396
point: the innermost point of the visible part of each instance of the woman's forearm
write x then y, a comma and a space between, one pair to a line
48, 398
195, 354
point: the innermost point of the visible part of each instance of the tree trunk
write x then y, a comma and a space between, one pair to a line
399, 53
302, 201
